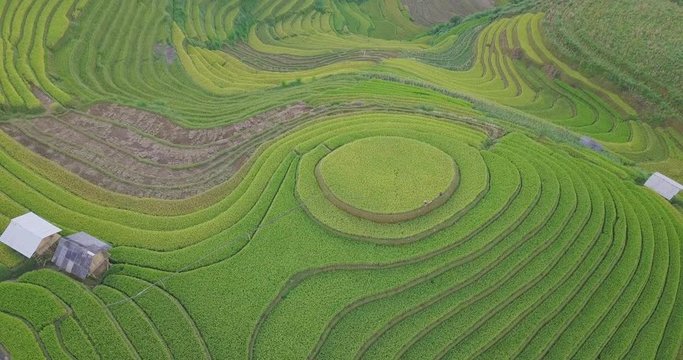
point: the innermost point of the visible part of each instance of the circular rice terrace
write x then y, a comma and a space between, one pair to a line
387, 179
395, 180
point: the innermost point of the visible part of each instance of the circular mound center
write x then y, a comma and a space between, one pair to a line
387, 174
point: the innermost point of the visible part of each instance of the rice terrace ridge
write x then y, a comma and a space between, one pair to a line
341, 179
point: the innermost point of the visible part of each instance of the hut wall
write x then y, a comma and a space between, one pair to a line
47, 243
100, 263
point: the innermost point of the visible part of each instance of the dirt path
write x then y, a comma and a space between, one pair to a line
44, 99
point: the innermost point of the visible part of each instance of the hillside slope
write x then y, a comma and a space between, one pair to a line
633, 43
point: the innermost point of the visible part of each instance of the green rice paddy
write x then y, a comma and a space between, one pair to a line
387, 175
330, 180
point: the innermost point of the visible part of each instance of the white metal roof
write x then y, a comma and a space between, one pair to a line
668, 180
25, 233
668, 188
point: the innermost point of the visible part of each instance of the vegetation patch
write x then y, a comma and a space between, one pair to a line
388, 175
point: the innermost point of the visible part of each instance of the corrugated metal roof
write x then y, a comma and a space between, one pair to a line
88, 242
73, 258
25, 233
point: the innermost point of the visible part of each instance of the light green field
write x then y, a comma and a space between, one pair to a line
387, 174
328, 179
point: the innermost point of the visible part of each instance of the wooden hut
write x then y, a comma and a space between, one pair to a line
82, 255
30, 234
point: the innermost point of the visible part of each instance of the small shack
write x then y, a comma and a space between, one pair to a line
82, 255
664, 186
30, 234
591, 143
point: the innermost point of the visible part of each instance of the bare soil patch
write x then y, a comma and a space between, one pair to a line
430, 12
136, 152
43, 97
160, 127
167, 52
287, 63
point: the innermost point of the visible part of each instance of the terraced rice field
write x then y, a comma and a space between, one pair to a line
438, 11
329, 180
644, 62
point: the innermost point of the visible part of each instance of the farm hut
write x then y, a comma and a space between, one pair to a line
30, 234
590, 143
82, 255
663, 185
